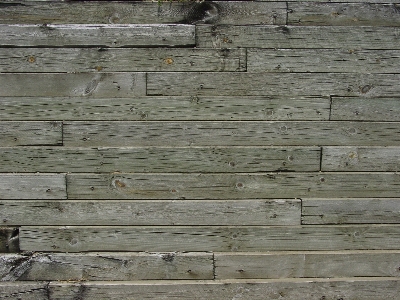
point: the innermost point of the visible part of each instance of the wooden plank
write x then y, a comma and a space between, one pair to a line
297, 37
343, 14
351, 211
107, 266
139, 12
323, 60
120, 60
365, 109
104, 85
194, 134
209, 238
154, 212
32, 186
166, 108
96, 35
9, 240
306, 264
232, 186
24, 290
266, 84
30, 133
386, 159
146, 160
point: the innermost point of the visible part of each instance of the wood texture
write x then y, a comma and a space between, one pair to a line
24, 291
9, 240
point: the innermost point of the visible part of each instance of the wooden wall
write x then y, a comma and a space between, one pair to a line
213, 150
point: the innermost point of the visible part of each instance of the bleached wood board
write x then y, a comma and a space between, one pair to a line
209, 238
106, 266
351, 211
24, 290
9, 240
306, 264
153, 212
232, 186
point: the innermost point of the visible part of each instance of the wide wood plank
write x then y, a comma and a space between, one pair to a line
350, 211
154, 212
306, 264
323, 60
72, 35
24, 290
32, 186
30, 133
232, 186
9, 240
106, 266
206, 238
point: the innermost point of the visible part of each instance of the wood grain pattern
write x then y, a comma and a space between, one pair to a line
24, 290
9, 240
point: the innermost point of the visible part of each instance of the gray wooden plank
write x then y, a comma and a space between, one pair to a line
343, 14
232, 186
101, 85
97, 35
183, 134
209, 238
32, 186
9, 240
120, 60
365, 109
320, 264
152, 212
106, 266
270, 36
266, 84
160, 159
24, 290
323, 60
165, 108
30, 133
350, 211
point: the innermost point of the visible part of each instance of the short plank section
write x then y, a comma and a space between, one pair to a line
9, 241
106, 266
207, 238
24, 290
72, 35
351, 211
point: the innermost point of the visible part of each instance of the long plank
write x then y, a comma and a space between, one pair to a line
184, 134
72, 35
30, 133
207, 238
101, 85
32, 186
9, 240
323, 60
166, 108
269, 36
188, 159
153, 212
120, 60
24, 290
107, 266
267, 84
306, 264
350, 211
232, 186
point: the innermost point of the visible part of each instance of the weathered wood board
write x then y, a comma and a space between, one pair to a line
24, 291
9, 240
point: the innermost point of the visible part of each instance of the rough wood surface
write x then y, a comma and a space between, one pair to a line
24, 291
106, 266
9, 241
155, 212
350, 211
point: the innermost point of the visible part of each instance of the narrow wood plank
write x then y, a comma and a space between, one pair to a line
32, 186
72, 35
343, 14
9, 240
350, 211
232, 186
166, 108
306, 264
323, 60
30, 133
104, 85
172, 159
202, 238
365, 109
266, 84
154, 212
269, 36
107, 266
24, 290
183, 134
120, 60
